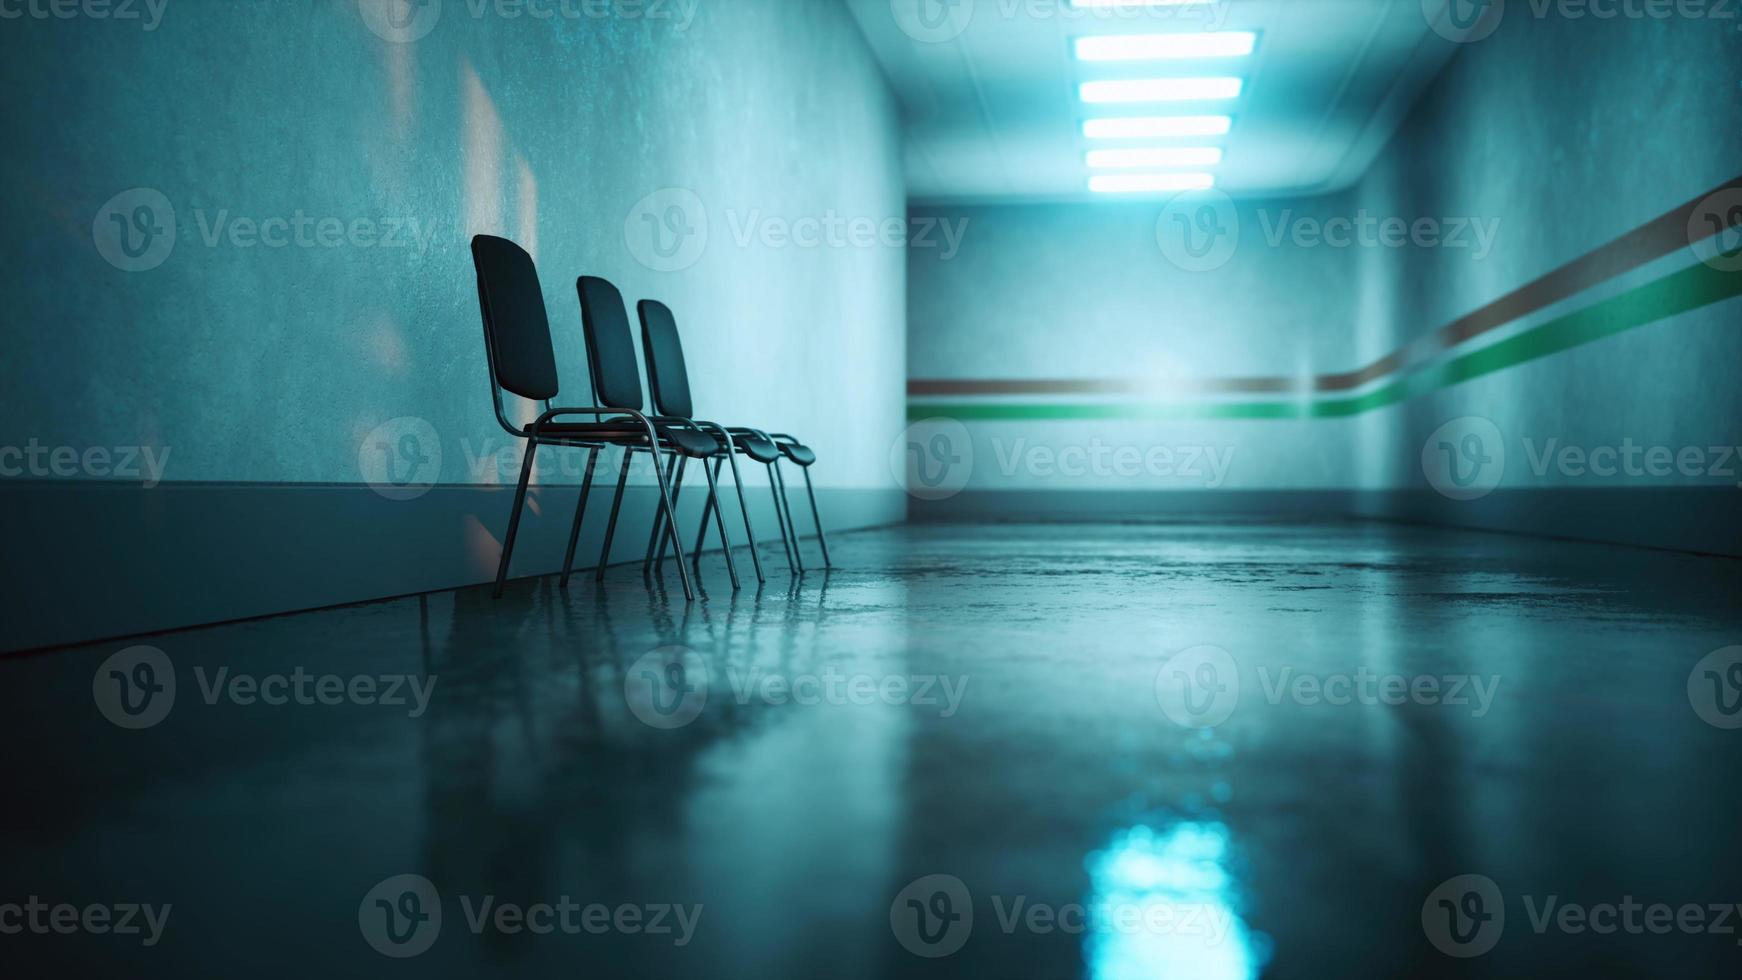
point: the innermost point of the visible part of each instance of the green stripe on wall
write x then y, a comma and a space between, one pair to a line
1688, 289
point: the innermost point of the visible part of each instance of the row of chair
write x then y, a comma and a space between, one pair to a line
522, 362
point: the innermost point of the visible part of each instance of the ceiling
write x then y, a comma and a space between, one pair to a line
988, 89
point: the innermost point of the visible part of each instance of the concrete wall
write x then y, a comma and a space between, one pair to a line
1159, 344
1572, 133
1536, 149
248, 223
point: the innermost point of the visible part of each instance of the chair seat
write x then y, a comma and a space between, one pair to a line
757, 448
801, 455
691, 443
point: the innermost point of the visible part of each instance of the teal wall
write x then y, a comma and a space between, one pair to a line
252, 363
1574, 132
1088, 292
1539, 144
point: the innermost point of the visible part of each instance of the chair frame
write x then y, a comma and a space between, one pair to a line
789, 536
535, 437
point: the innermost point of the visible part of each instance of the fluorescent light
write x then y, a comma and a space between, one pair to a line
1156, 156
1155, 127
1161, 90
1138, 183
1139, 47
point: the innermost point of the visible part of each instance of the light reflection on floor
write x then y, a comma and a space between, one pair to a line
1165, 904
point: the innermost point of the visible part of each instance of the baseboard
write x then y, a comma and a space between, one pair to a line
1121, 505
1701, 520
90, 561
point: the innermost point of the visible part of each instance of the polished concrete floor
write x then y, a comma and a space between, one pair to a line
1201, 751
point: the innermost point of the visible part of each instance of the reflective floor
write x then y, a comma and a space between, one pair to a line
1197, 751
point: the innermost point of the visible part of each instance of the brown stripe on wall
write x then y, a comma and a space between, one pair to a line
1647, 243
1638, 247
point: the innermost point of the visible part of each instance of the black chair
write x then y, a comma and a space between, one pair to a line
617, 381
517, 345
668, 379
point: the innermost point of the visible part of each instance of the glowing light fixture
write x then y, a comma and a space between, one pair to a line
1155, 127
1155, 47
1149, 183
1161, 90
1156, 156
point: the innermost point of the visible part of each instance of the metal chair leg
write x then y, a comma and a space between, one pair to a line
707, 511
616, 504
656, 536
669, 530
720, 522
780, 518
816, 516
514, 517
580, 510
671, 514
744, 507
786, 506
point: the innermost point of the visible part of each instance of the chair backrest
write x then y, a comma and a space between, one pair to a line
610, 346
667, 378
516, 329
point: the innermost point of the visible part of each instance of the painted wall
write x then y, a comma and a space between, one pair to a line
241, 236
1152, 342
1571, 133
247, 362
1537, 148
